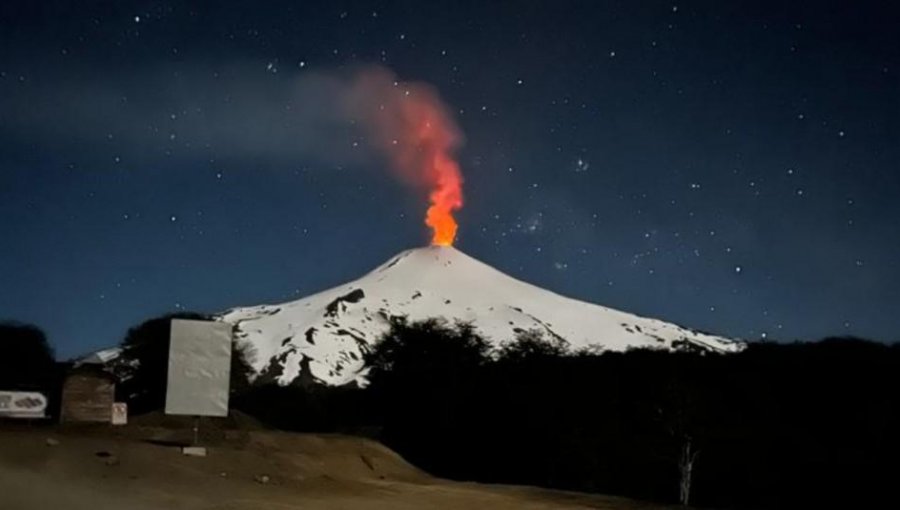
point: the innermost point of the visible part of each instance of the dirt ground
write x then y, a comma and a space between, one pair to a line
142, 468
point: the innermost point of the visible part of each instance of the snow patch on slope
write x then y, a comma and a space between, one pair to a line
322, 338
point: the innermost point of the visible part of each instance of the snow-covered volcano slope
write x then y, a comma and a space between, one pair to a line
322, 338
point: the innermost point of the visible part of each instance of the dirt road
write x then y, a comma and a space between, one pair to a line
101, 469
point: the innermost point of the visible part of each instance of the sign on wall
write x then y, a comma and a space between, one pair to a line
119, 413
199, 368
22, 404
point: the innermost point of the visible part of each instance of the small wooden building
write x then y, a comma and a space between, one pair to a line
88, 394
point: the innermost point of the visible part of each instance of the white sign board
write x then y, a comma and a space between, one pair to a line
22, 404
120, 413
199, 368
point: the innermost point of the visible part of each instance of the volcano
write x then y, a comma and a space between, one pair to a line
322, 338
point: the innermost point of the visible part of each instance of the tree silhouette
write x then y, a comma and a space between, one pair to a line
767, 427
532, 344
422, 376
26, 359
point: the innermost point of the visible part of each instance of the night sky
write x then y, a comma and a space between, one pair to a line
729, 166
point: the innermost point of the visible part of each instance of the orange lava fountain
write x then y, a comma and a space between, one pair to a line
445, 198
413, 127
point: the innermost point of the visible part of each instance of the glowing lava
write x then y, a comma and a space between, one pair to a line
423, 151
410, 124
445, 198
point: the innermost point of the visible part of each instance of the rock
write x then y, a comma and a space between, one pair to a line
194, 451
51, 441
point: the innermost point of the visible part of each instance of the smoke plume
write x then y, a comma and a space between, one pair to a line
409, 123
242, 111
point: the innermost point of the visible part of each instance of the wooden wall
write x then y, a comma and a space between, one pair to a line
87, 398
